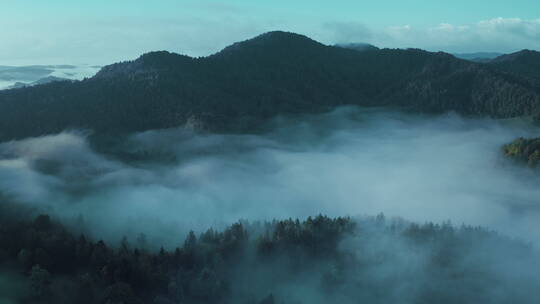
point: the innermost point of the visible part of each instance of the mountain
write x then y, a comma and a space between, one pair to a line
43, 80
525, 63
478, 57
236, 89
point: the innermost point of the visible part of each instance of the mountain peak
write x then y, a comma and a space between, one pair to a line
162, 59
280, 35
157, 60
273, 39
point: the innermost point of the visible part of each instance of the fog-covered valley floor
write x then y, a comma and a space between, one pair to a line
351, 162
19, 76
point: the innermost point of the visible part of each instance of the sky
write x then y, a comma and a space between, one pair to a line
102, 32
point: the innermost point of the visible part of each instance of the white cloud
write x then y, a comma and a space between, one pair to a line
514, 25
349, 31
447, 27
497, 34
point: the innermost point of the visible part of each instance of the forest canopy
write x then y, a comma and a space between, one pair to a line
315, 260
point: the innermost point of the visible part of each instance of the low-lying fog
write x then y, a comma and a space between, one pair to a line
30, 75
352, 161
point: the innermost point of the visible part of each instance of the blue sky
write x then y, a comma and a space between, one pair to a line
100, 32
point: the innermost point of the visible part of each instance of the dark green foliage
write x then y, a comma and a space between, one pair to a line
248, 82
525, 63
524, 150
339, 259
41, 280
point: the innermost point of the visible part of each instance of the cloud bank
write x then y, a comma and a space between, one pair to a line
497, 34
352, 161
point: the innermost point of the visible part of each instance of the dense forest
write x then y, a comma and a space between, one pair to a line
525, 63
317, 260
275, 73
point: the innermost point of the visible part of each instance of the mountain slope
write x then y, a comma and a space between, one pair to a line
247, 82
525, 62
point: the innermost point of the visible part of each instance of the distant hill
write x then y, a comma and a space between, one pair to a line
478, 57
275, 73
525, 63
43, 80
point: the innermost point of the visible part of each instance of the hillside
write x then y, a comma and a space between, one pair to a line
526, 63
250, 81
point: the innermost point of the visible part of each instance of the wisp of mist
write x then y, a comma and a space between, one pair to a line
349, 162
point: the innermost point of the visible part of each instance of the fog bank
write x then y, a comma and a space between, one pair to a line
352, 161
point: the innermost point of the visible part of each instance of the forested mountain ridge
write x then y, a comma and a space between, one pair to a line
525, 62
248, 82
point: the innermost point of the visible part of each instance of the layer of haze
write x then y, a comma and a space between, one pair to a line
30, 75
352, 161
